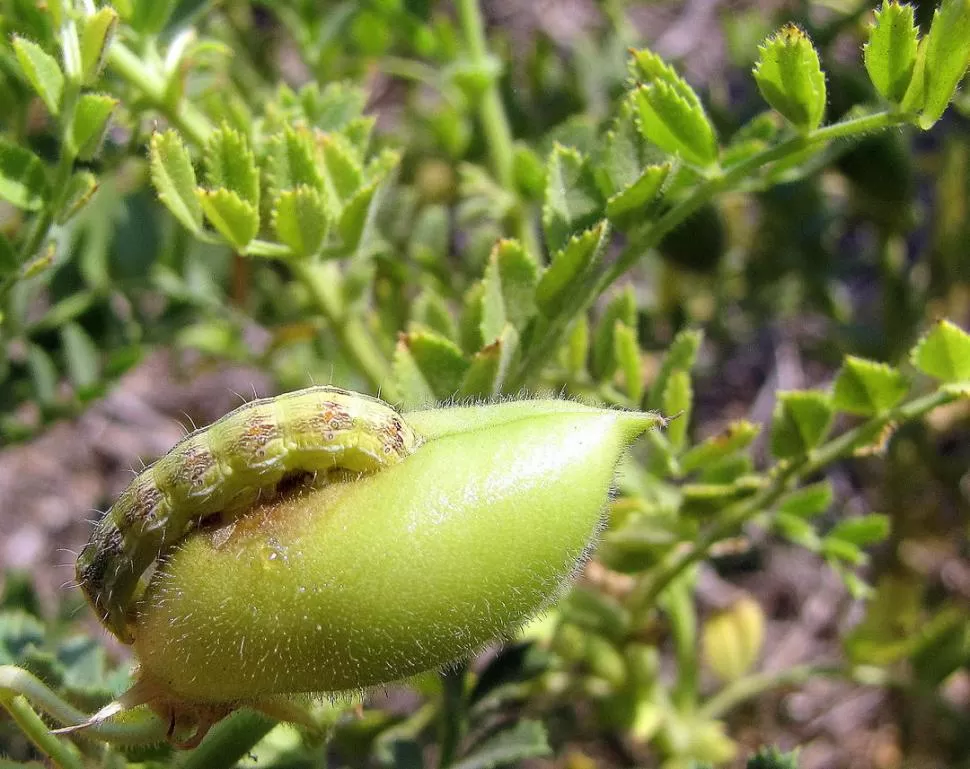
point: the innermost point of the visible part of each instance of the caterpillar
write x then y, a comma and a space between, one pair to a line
223, 469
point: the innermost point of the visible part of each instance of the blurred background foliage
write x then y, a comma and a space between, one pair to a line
449, 127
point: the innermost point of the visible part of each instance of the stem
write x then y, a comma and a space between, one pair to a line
229, 741
452, 714
495, 121
735, 516
683, 627
60, 751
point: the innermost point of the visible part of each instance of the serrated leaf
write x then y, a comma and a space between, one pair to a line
510, 283
947, 57
356, 217
235, 219
527, 739
735, 437
342, 175
635, 197
491, 365
300, 220
790, 77
96, 34
80, 188
623, 308
572, 201
890, 53
82, 358
291, 161
42, 71
678, 398
862, 530
231, 165
174, 179
90, 122
674, 123
23, 177
800, 422
865, 387
570, 267
808, 501
944, 353
431, 311
915, 95
626, 350
424, 363
680, 356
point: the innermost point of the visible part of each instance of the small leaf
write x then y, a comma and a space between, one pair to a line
680, 356
634, 198
866, 388
577, 345
626, 350
677, 401
798, 530
800, 422
96, 35
735, 437
572, 201
342, 174
732, 639
174, 179
947, 57
510, 283
623, 308
809, 501
90, 122
432, 364
862, 530
236, 220
300, 220
527, 739
944, 353
23, 177
42, 71
431, 311
490, 366
43, 375
82, 359
890, 54
231, 165
570, 268
675, 124
80, 188
291, 163
790, 77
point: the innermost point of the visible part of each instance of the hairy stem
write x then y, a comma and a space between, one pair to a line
60, 751
229, 741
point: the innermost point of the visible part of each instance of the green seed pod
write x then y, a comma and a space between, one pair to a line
375, 577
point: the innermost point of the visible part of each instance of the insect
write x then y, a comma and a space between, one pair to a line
224, 469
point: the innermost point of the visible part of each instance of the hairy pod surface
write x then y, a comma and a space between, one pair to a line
371, 579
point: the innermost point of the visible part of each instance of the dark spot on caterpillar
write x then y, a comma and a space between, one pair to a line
197, 463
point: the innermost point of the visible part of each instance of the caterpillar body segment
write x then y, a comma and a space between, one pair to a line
223, 469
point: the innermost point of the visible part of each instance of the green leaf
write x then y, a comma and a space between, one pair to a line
149, 17
570, 268
735, 437
291, 162
866, 388
680, 356
634, 198
947, 57
300, 220
572, 200
428, 367
915, 95
491, 365
236, 220
944, 353
174, 179
342, 175
862, 530
576, 349
790, 77
675, 124
42, 71
96, 34
510, 283
798, 530
230, 164
82, 359
800, 422
23, 177
623, 308
678, 399
808, 501
626, 350
431, 311
43, 375
80, 188
890, 54
90, 122
527, 739
773, 758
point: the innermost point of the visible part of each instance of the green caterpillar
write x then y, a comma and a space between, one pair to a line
223, 469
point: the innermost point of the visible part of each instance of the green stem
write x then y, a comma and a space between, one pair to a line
229, 741
61, 752
735, 516
679, 606
452, 714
